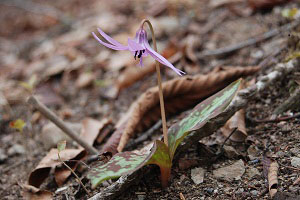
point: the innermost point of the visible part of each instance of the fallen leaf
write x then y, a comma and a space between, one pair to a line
231, 172
32, 193
91, 128
84, 80
270, 168
261, 4
189, 89
41, 172
18, 124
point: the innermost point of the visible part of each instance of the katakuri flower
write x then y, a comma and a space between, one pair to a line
138, 46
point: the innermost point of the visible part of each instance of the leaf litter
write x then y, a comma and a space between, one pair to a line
20, 68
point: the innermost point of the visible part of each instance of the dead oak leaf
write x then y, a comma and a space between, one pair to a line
179, 94
41, 172
32, 193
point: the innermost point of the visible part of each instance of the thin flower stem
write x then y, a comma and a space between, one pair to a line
160, 91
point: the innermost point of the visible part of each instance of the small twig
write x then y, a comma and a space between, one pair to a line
59, 123
160, 91
146, 135
181, 196
72, 171
249, 42
228, 137
279, 119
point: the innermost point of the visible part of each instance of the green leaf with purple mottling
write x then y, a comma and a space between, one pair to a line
200, 115
127, 162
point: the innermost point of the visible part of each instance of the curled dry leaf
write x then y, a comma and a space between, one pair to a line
237, 121
90, 129
41, 172
270, 167
145, 111
32, 193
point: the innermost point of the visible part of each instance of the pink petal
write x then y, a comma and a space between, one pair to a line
109, 45
133, 46
161, 59
109, 39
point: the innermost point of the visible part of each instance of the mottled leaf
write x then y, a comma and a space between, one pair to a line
204, 111
127, 162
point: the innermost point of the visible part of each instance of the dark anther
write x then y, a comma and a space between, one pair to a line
135, 55
144, 51
140, 54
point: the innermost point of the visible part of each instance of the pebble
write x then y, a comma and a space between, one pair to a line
3, 156
254, 192
197, 175
230, 151
16, 149
209, 190
231, 172
240, 191
295, 162
252, 172
295, 151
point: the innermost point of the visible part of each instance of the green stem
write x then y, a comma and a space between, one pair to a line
160, 91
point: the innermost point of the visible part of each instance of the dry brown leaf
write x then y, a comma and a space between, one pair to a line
132, 75
84, 80
90, 129
179, 94
261, 4
32, 193
41, 172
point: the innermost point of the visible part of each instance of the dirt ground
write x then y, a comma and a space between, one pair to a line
53, 41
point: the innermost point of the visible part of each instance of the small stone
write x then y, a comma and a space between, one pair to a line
252, 172
254, 192
16, 149
295, 162
3, 156
141, 197
231, 172
230, 151
240, 191
295, 151
253, 152
197, 175
280, 154
209, 190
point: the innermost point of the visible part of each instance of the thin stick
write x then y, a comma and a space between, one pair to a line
72, 171
249, 42
59, 123
160, 91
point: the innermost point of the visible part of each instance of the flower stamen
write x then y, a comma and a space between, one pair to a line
135, 55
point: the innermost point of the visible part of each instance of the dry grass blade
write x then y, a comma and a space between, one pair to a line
179, 94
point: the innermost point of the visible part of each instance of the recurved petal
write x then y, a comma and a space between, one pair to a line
111, 40
133, 46
161, 59
109, 45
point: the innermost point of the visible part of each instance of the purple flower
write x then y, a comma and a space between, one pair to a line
138, 46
